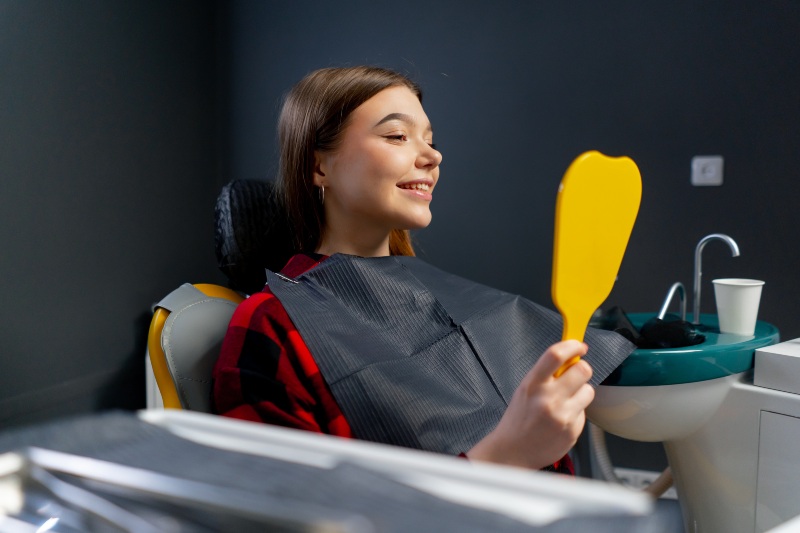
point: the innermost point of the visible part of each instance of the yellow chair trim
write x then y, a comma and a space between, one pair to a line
218, 291
158, 360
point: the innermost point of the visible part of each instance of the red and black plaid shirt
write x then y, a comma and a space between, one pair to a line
265, 372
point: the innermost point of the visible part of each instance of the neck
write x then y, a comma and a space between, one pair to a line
361, 245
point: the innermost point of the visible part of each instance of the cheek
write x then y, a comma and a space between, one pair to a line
371, 173
387, 162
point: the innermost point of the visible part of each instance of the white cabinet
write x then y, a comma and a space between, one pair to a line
777, 498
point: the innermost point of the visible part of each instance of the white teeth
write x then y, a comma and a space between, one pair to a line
417, 186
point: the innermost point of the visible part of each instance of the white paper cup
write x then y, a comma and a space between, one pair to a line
737, 304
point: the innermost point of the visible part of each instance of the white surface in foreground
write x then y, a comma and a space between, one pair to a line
531, 496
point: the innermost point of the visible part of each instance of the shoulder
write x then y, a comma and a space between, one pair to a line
265, 305
258, 307
301, 263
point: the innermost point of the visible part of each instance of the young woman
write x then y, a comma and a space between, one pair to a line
369, 346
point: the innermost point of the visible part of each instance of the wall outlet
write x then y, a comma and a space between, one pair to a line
707, 170
639, 479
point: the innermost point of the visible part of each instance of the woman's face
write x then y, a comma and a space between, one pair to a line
382, 175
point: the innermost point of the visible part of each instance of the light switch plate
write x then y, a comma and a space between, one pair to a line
707, 170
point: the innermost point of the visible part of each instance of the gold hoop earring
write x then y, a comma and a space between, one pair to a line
321, 195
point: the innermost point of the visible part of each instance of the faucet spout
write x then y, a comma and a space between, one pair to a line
676, 287
698, 271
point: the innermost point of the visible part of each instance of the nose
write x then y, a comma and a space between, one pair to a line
429, 157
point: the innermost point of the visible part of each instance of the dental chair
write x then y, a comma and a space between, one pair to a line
189, 324
184, 341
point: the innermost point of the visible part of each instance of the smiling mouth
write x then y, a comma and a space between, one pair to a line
416, 187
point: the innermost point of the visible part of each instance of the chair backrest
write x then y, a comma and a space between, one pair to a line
251, 233
184, 341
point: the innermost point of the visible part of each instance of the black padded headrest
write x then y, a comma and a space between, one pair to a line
251, 234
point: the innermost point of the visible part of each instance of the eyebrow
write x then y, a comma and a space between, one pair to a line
402, 117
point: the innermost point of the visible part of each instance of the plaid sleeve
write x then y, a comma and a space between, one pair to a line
562, 466
266, 373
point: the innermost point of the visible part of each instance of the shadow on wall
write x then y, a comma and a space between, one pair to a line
122, 388
125, 389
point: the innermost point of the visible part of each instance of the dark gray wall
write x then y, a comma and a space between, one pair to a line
516, 90
107, 183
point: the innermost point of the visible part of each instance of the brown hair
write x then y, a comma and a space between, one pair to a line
314, 115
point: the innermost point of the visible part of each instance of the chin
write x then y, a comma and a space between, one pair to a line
412, 219
418, 223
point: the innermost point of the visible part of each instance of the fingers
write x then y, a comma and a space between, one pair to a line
575, 410
554, 357
583, 397
577, 428
575, 376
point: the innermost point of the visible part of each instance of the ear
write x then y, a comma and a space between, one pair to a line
320, 163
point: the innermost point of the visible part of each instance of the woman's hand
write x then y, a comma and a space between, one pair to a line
546, 414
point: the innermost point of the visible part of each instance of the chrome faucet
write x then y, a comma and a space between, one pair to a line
677, 287
698, 272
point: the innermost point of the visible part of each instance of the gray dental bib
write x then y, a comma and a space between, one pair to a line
420, 358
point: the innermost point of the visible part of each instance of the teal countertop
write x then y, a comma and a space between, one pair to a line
721, 354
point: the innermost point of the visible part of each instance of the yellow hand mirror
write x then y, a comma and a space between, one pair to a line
596, 207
